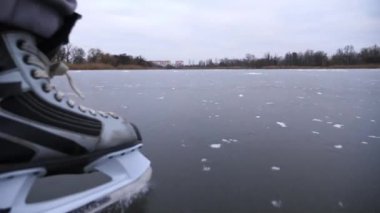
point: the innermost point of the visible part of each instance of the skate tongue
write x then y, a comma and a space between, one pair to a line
61, 69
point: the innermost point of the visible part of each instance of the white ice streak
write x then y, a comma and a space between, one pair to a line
300, 97
315, 132
374, 136
258, 116
364, 142
339, 126
269, 103
317, 120
282, 124
340, 204
275, 168
161, 98
358, 117
254, 73
230, 140
276, 203
215, 146
338, 146
204, 160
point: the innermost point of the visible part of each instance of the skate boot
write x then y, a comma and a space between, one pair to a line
44, 133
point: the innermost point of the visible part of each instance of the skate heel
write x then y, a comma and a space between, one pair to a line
15, 187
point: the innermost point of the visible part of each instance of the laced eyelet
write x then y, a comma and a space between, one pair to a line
70, 103
33, 73
19, 43
25, 59
45, 88
82, 108
57, 97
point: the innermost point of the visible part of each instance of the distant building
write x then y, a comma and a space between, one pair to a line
161, 63
179, 64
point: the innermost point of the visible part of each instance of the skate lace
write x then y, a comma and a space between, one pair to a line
48, 70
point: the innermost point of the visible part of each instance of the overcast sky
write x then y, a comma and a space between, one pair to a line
201, 29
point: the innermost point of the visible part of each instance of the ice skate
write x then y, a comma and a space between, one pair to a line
45, 133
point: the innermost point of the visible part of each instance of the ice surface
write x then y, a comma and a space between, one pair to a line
276, 203
282, 124
374, 136
317, 120
339, 126
216, 146
338, 146
275, 168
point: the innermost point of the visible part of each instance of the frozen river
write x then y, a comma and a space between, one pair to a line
250, 140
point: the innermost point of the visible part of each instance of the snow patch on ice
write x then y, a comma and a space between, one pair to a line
338, 146
317, 120
275, 168
339, 126
374, 136
315, 132
282, 124
276, 203
216, 146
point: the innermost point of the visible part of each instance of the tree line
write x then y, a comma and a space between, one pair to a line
71, 54
346, 56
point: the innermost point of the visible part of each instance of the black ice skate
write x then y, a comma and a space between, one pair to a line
43, 133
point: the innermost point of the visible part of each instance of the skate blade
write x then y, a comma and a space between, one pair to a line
128, 169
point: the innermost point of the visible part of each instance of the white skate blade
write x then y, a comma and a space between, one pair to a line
128, 169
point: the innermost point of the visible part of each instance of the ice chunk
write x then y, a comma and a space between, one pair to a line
282, 124
275, 168
204, 160
206, 168
258, 116
315, 132
225, 140
276, 203
339, 126
231, 140
364, 142
216, 146
373, 136
317, 120
241, 95
338, 146
319, 93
